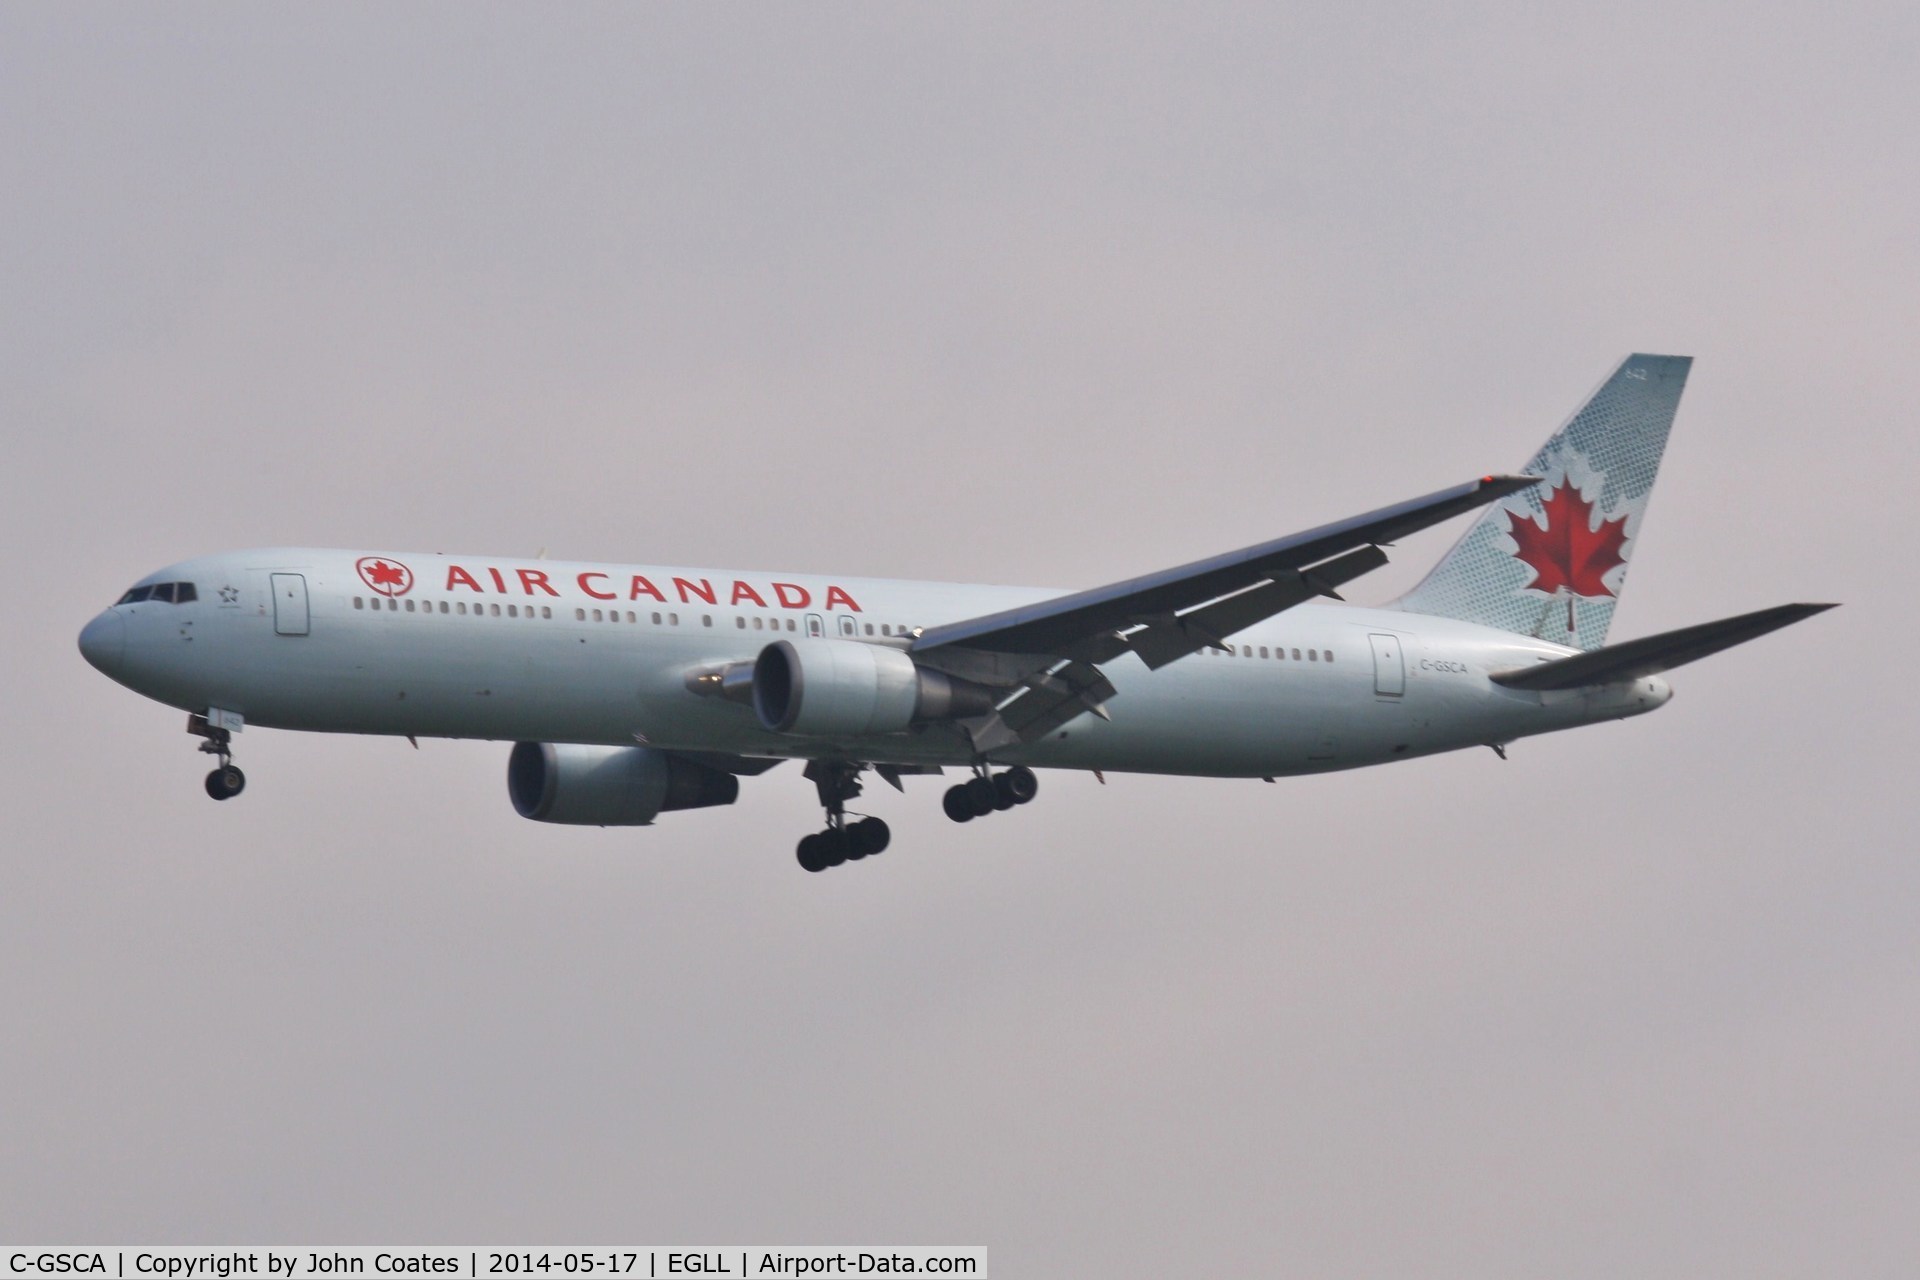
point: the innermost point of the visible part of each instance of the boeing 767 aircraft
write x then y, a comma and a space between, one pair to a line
632, 690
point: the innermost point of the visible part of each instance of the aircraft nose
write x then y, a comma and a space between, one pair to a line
103, 642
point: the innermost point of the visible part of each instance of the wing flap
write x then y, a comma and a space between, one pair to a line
1055, 698
1167, 640
1651, 655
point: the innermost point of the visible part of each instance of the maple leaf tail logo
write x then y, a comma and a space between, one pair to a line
1569, 554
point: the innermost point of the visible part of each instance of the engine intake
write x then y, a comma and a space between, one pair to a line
609, 786
844, 687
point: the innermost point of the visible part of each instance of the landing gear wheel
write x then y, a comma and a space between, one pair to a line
1003, 797
957, 805
811, 855
836, 844
226, 782
870, 836
1020, 783
981, 796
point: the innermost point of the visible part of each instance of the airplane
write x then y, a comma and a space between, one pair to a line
630, 691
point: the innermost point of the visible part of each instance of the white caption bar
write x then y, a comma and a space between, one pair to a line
490, 1262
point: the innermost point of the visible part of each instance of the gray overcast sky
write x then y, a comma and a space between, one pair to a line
1008, 293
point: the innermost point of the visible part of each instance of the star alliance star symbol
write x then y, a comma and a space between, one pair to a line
229, 594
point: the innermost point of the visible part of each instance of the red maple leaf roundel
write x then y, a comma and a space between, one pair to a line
1569, 553
388, 577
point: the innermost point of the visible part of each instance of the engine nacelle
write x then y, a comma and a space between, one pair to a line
846, 688
609, 786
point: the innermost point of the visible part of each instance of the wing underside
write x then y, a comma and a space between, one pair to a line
1047, 656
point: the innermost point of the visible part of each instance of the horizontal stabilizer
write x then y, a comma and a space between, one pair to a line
1650, 655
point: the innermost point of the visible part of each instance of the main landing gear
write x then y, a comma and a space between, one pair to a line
226, 781
990, 793
838, 781
842, 841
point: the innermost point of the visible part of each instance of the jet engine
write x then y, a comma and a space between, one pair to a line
609, 786
846, 688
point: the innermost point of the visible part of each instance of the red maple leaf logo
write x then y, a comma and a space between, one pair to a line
388, 577
1569, 553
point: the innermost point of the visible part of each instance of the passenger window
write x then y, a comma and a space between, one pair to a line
1329, 653
673, 619
1263, 651
409, 606
741, 622
706, 619
789, 624
596, 615
393, 606
656, 619
461, 607
759, 624
579, 615
1296, 655
869, 628
1313, 655
358, 603
513, 611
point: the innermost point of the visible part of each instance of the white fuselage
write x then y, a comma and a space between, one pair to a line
543, 651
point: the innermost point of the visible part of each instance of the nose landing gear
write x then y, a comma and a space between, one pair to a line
226, 781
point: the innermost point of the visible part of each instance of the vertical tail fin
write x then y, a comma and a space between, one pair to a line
1550, 561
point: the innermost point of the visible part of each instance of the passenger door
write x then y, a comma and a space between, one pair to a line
1389, 669
290, 604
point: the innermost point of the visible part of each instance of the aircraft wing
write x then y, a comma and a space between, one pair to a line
1053, 648
1651, 655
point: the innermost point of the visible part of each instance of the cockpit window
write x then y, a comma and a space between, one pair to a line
171, 592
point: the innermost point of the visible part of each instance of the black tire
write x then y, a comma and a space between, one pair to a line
1022, 783
871, 836
226, 782
981, 796
958, 807
811, 855
837, 846
1003, 797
